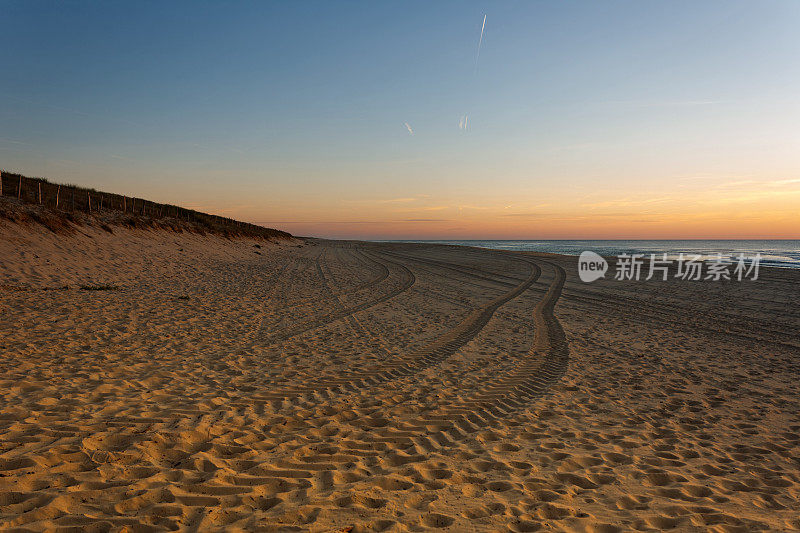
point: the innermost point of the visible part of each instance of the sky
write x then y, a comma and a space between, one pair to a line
414, 120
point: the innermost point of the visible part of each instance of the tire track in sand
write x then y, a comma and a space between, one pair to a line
407, 281
543, 366
315, 466
434, 352
336, 301
381, 441
330, 294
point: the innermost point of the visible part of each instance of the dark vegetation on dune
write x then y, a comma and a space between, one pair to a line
62, 207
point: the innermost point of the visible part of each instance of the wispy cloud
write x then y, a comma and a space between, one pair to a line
701, 177
664, 103
408, 127
63, 109
413, 209
13, 141
531, 213
756, 184
628, 202
462, 122
526, 215
398, 200
680, 103
405, 199
306, 222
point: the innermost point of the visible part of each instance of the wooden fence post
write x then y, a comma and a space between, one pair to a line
89, 196
19, 189
124, 205
1, 183
58, 191
40, 193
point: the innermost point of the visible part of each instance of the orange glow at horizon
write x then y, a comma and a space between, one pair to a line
753, 210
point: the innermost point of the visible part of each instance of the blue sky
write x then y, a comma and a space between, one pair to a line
294, 113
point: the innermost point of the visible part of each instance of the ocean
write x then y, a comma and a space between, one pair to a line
779, 253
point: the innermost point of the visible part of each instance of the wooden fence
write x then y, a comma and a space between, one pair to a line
73, 198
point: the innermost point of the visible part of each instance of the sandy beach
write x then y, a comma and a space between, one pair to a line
160, 381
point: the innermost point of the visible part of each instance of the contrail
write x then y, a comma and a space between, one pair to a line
410, 131
480, 41
462, 123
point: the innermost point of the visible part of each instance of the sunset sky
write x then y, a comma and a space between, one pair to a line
620, 119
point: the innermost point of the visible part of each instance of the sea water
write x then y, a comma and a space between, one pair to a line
780, 253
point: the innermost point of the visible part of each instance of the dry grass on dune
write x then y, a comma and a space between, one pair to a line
60, 207
66, 222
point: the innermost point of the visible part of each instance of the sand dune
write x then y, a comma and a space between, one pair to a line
326, 386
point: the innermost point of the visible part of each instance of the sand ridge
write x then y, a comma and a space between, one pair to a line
333, 385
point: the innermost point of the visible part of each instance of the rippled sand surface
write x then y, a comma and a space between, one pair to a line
208, 384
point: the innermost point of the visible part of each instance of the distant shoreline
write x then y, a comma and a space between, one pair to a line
780, 253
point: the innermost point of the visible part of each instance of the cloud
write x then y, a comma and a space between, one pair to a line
14, 141
410, 131
701, 177
426, 220
405, 200
69, 110
756, 184
664, 103
462, 122
628, 202
307, 222
527, 215
411, 210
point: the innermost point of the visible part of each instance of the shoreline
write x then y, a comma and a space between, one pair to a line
563, 257
793, 263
